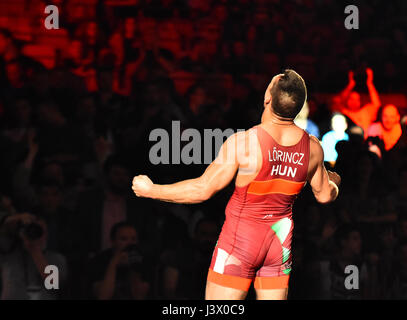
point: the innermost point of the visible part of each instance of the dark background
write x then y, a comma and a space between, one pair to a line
77, 106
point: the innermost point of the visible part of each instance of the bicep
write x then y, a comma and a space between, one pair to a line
318, 178
223, 169
218, 176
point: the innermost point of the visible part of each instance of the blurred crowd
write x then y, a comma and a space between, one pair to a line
73, 135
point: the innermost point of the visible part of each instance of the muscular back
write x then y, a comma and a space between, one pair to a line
250, 157
241, 157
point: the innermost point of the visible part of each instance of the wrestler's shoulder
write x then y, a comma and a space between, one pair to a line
315, 147
240, 135
313, 139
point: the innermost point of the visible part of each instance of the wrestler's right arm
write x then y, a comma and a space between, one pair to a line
216, 176
324, 183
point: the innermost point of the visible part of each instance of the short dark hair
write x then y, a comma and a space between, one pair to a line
288, 95
120, 225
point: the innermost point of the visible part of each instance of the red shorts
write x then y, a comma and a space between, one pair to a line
250, 250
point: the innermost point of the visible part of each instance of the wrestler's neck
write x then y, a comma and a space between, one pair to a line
269, 117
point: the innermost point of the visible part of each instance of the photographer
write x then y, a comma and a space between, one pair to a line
120, 272
24, 259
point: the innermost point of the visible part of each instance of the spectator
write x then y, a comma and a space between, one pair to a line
333, 271
182, 270
29, 176
58, 219
331, 138
389, 127
351, 107
100, 208
120, 272
23, 264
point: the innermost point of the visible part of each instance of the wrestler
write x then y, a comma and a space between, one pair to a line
271, 163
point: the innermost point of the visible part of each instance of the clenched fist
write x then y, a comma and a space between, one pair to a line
142, 186
334, 177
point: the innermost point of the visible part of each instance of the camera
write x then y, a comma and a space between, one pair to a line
134, 255
33, 231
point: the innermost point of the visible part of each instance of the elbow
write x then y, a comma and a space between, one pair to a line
328, 197
203, 195
202, 192
324, 200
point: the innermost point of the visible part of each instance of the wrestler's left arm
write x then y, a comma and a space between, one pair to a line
216, 176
